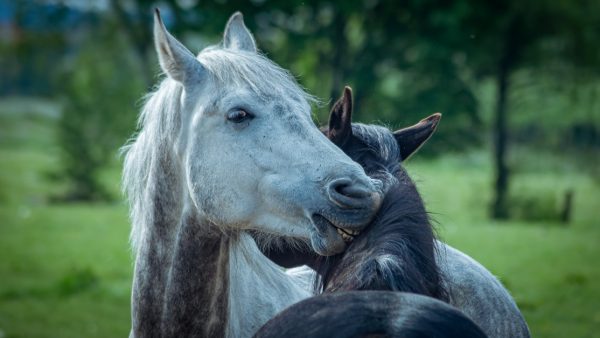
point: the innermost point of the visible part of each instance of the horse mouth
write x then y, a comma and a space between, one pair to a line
347, 235
322, 223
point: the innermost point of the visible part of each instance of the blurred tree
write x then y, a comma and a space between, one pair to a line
100, 87
137, 25
30, 47
508, 36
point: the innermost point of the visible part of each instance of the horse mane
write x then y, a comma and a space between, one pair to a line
396, 251
158, 123
151, 151
379, 140
370, 314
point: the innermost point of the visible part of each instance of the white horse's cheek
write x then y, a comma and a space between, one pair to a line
217, 182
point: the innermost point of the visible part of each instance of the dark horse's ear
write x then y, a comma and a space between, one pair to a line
340, 119
410, 139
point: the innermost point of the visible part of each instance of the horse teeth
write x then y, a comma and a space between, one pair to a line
346, 236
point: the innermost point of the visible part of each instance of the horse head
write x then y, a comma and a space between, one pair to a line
248, 152
378, 150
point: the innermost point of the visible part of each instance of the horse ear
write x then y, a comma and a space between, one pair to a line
237, 36
175, 60
340, 119
410, 139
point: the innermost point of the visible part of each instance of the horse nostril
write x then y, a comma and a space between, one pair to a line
351, 190
348, 194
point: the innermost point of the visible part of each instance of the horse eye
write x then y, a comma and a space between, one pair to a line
238, 116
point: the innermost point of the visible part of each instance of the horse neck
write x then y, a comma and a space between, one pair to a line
180, 276
207, 283
196, 291
396, 252
220, 284
181, 271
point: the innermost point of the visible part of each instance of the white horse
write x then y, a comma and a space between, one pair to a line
227, 146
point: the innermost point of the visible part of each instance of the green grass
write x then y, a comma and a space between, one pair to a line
65, 269
66, 272
550, 268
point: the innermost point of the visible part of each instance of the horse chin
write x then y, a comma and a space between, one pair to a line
326, 240
327, 246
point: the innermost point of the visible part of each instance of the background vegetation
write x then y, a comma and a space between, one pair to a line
517, 82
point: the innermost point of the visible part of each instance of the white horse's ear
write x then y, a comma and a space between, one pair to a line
237, 36
175, 60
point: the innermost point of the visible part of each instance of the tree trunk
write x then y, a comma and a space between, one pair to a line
499, 208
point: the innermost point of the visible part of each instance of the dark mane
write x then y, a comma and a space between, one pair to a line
396, 251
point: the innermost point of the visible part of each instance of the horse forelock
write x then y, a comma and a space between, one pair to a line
382, 160
380, 140
266, 80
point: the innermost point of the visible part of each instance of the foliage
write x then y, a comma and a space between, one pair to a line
510, 39
28, 60
100, 88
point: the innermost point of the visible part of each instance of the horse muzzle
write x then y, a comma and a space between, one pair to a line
351, 207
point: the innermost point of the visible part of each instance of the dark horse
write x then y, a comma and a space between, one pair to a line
394, 253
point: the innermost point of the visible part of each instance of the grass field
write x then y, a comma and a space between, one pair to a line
65, 269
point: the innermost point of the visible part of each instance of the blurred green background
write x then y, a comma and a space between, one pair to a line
512, 176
